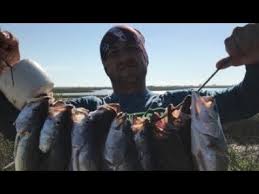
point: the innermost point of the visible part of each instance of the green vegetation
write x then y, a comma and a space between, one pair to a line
6, 152
243, 141
243, 158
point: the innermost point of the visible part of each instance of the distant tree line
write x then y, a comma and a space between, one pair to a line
153, 88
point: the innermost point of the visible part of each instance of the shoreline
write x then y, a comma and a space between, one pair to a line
65, 89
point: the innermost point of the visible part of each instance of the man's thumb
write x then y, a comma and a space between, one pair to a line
229, 61
224, 63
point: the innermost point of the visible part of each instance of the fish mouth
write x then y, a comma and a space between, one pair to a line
115, 107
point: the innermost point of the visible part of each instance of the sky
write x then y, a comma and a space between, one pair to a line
179, 53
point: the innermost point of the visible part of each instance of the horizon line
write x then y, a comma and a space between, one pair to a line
214, 85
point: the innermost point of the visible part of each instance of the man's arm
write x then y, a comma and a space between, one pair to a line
89, 102
236, 103
241, 101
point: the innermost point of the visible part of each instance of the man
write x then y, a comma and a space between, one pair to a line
125, 62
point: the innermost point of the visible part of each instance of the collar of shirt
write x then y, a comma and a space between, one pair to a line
135, 102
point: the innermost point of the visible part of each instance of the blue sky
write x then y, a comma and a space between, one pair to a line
179, 54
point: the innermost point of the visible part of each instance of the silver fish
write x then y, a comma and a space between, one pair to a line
82, 139
118, 152
28, 125
142, 137
55, 137
99, 123
170, 141
209, 147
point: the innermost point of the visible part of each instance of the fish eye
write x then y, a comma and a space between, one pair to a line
58, 123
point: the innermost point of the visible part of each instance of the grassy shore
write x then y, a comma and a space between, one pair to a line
6, 152
243, 141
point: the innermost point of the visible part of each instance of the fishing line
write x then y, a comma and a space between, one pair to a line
153, 110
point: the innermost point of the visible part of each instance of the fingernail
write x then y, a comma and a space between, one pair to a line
6, 34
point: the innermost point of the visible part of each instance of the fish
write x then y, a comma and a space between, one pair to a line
208, 143
142, 137
181, 119
55, 137
89, 134
170, 144
119, 153
82, 158
28, 126
101, 120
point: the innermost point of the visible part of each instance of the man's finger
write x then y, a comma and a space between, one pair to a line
3, 66
3, 44
3, 69
3, 54
227, 62
224, 63
2, 36
7, 38
232, 46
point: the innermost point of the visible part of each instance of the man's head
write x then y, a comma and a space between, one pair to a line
124, 56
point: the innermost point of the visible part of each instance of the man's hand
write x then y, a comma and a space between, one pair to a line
9, 50
242, 47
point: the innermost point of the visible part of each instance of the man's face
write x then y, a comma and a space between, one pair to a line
126, 65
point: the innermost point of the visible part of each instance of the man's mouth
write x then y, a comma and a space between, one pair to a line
125, 67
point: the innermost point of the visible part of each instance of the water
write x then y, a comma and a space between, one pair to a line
105, 92
102, 92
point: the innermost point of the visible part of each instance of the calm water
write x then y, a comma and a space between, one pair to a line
104, 92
